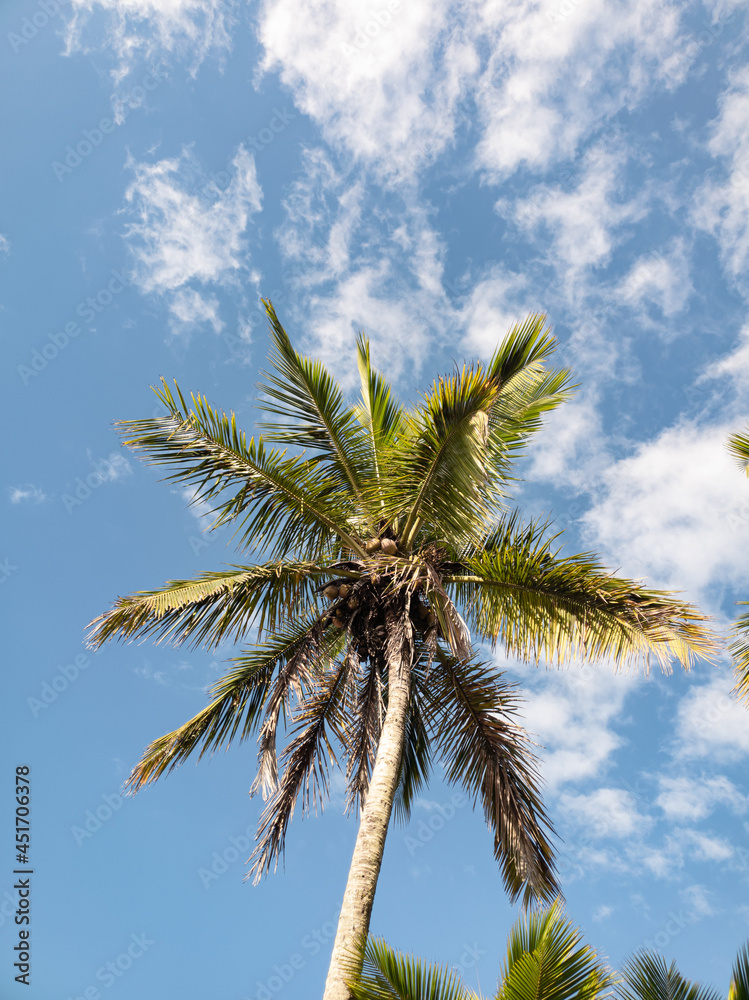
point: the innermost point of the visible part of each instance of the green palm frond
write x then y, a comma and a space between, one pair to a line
647, 977
738, 445
213, 607
547, 960
539, 604
437, 469
239, 698
449, 464
739, 988
306, 762
490, 755
527, 388
306, 394
389, 975
378, 413
739, 650
288, 501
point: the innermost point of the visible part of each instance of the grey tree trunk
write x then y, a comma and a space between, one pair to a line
353, 923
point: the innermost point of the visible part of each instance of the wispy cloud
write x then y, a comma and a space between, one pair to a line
137, 30
4, 244
685, 797
27, 493
180, 237
722, 205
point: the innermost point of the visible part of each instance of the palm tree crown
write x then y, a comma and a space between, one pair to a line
377, 528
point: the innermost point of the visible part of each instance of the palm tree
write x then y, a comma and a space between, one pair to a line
647, 977
546, 960
738, 445
378, 525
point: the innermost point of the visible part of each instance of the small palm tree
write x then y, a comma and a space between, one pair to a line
647, 977
381, 523
738, 445
546, 960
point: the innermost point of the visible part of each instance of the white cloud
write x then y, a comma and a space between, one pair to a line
659, 279
115, 466
498, 300
696, 897
675, 511
538, 85
687, 798
352, 271
190, 309
703, 847
182, 237
711, 724
606, 812
345, 63
602, 912
542, 90
28, 493
582, 221
570, 713
149, 29
722, 206
4, 244
571, 450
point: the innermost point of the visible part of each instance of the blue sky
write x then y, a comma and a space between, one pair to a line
429, 172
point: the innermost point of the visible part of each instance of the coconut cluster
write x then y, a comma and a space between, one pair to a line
358, 607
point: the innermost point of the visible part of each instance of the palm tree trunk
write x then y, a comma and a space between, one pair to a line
353, 922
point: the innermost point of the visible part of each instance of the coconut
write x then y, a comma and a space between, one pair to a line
372, 545
343, 590
352, 602
389, 547
331, 592
339, 623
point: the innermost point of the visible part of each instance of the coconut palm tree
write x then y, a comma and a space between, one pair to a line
647, 977
738, 445
380, 523
546, 960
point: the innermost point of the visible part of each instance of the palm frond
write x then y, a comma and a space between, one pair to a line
213, 607
739, 650
489, 754
539, 604
378, 413
527, 388
738, 445
294, 678
390, 975
437, 467
306, 762
547, 960
363, 734
288, 501
305, 393
739, 988
647, 977
238, 701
